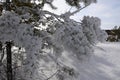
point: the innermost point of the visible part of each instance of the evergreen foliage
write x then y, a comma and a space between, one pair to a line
41, 38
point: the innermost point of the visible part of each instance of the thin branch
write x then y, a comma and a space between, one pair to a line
70, 9
2, 55
79, 9
53, 75
47, 12
16, 67
52, 14
67, 15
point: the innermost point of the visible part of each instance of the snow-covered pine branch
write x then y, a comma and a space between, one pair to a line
92, 30
41, 38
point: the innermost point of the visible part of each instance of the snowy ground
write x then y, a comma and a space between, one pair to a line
104, 65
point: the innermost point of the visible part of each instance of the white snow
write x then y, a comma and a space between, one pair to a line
106, 62
103, 65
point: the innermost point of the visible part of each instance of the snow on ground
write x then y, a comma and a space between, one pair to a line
103, 65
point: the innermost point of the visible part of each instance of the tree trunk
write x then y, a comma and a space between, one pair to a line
8, 5
9, 60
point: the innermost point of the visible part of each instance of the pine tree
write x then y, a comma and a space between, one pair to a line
41, 37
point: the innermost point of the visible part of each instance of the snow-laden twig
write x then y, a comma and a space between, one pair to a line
52, 75
2, 55
76, 11
67, 15
52, 14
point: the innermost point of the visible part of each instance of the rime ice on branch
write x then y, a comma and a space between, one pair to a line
41, 37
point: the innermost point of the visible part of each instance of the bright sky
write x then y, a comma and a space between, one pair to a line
107, 10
